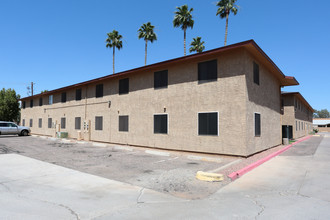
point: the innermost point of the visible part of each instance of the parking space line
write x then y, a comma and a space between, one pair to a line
158, 153
160, 161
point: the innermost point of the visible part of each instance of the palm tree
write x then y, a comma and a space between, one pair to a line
225, 7
183, 19
146, 32
197, 45
114, 41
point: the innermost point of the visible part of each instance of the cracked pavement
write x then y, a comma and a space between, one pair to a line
294, 185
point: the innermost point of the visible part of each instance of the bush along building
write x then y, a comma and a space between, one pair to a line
297, 115
222, 101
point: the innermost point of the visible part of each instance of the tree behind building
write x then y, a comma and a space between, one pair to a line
323, 113
9, 106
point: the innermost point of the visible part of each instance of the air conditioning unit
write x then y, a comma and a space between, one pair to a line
62, 134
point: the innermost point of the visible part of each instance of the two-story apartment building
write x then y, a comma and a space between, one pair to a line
297, 115
222, 101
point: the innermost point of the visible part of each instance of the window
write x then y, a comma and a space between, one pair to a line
40, 101
40, 123
208, 123
23, 123
255, 73
296, 126
50, 122
161, 79
63, 97
23, 104
257, 125
50, 100
160, 124
123, 86
123, 123
99, 90
31, 123
208, 71
78, 94
31, 103
99, 123
12, 125
77, 123
4, 125
63, 123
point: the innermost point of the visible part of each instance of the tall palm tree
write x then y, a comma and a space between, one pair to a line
146, 32
197, 45
114, 41
225, 7
183, 19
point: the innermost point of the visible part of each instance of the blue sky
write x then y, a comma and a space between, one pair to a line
56, 43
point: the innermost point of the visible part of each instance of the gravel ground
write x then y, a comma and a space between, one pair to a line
169, 172
173, 174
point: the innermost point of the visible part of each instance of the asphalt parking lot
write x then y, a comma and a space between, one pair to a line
293, 185
172, 173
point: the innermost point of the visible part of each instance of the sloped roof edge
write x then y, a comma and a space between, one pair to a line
285, 81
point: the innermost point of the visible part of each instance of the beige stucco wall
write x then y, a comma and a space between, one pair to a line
234, 96
265, 100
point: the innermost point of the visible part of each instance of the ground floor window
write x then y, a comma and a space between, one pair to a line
31, 123
160, 124
208, 123
50, 122
123, 123
296, 126
40, 123
23, 122
77, 123
99, 123
257, 125
63, 122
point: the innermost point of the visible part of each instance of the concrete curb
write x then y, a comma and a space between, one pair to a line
209, 177
250, 167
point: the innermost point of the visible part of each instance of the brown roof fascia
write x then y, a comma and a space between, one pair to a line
284, 80
165, 63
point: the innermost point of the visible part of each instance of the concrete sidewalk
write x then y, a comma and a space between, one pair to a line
32, 189
286, 187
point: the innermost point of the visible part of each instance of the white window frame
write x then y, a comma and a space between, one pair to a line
217, 135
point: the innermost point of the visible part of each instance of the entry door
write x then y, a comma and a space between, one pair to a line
287, 131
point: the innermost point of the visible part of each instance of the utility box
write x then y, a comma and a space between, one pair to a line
87, 130
285, 141
60, 134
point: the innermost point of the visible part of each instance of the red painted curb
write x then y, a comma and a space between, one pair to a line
250, 167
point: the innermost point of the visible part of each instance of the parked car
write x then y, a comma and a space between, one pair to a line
12, 128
